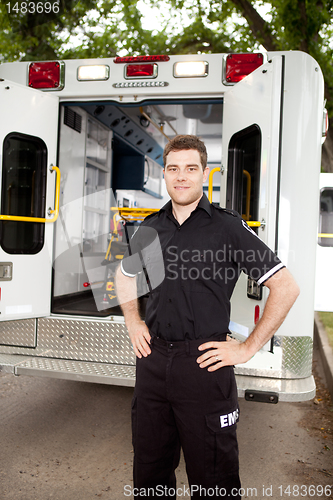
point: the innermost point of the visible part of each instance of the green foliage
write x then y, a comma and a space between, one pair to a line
82, 29
246, 25
97, 28
35, 35
327, 320
103, 28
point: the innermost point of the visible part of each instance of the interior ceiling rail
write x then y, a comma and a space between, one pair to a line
165, 119
160, 129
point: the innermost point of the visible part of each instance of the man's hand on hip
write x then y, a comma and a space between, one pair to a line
140, 338
225, 353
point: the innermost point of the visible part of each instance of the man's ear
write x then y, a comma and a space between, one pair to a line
205, 174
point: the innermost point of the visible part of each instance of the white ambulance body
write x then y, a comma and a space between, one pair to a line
104, 123
324, 260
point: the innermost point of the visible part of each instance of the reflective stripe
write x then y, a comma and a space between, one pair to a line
270, 273
125, 273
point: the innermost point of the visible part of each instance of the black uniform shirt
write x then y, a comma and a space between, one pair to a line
202, 259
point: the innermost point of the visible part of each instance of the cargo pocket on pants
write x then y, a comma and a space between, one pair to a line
221, 448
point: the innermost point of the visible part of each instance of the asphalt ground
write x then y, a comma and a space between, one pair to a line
65, 440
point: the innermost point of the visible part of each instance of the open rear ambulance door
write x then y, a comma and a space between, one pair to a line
272, 126
252, 117
251, 155
29, 178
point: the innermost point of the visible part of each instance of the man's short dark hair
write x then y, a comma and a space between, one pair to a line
181, 142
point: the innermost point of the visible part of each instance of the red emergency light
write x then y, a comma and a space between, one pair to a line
141, 59
141, 71
47, 75
238, 66
256, 314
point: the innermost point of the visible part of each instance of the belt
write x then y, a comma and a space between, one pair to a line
188, 346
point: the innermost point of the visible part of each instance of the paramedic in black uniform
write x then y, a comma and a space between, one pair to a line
185, 395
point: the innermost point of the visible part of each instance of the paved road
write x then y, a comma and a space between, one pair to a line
64, 440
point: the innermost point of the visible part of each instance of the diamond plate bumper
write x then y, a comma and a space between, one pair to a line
84, 371
18, 333
124, 375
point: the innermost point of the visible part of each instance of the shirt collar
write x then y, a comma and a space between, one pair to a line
203, 203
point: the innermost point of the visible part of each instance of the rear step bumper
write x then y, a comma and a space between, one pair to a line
84, 371
301, 389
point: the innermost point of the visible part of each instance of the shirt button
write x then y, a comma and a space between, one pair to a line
169, 300
168, 325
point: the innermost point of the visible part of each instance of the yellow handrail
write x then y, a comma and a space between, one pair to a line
133, 214
248, 193
136, 214
325, 235
57, 196
252, 223
210, 182
41, 219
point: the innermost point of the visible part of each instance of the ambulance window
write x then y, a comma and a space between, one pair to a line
326, 217
244, 172
23, 192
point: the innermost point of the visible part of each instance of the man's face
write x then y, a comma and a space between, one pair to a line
184, 176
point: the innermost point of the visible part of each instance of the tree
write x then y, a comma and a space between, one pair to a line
104, 28
74, 29
242, 25
30, 31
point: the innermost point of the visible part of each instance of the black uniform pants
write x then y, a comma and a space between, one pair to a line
176, 405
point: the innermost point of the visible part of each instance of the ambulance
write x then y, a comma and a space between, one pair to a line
81, 166
324, 260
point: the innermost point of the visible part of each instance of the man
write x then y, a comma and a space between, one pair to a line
186, 395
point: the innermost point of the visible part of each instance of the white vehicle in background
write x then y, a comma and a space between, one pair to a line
324, 261
102, 125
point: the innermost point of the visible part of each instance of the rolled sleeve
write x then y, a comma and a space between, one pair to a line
131, 265
270, 273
